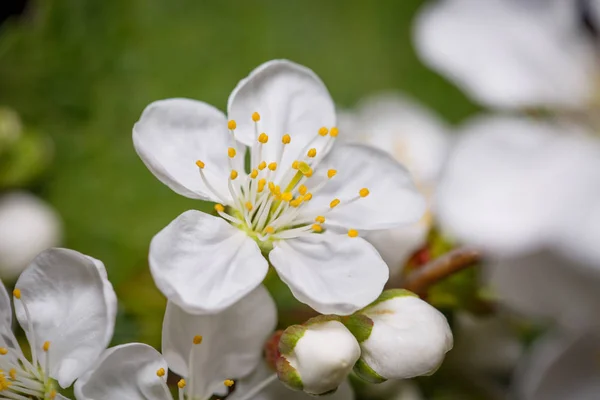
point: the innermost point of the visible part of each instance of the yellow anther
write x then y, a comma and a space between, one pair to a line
17, 293
231, 152
161, 372
200, 164
352, 232
269, 229
364, 192
219, 207
331, 173
263, 138
312, 152
231, 124
262, 165
286, 139
320, 219
296, 202
233, 174
287, 196
307, 197
317, 228
255, 116
197, 339
228, 383
302, 190
295, 164
334, 203
53, 394
181, 384
277, 190
3, 351
46, 346
273, 166
334, 132
13, 374
323, 131
254, 173
271, 186
249, 206
261, 185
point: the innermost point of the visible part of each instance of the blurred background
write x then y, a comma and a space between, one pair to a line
75, 76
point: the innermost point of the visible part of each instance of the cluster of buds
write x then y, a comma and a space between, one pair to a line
398, 336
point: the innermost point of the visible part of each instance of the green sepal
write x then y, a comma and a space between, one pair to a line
290, 337
388, 295
359, 325
319, 319
288, 375
365, 372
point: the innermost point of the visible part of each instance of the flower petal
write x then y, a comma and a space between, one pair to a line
232, 341
203, 264
173, 134
506, 53
291, 99
5, 307
393, 199
126, 372
334, 274
65, 294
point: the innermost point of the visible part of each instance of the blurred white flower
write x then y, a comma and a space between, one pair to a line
27, 227
511, 53
207, 350
67, 308
415, 137
560, 366
293, 192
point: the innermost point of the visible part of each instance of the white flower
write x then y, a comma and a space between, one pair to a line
400, 337
318, 356
27, 226
300, 184
415, 137
67, 308
510, 53
207, 350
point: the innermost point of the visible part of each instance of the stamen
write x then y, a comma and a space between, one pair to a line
219, 208
331, 173
364, 192
17, 294
255, 116
249, 206
263, 138
254, 173
296, 164
261, 185
262, 165
197, 339
287, 196
273, 166
231, 124
307, 196
269, 229
228, 383
181, 386
3, 351
334, 132
161, 372
323, 131
286, 139
317, 228
231, 152
200, 164
233, 175
352, 233
320, 219
334, 203
302, 190
312, 153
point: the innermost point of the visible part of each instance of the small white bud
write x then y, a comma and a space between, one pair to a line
318, 356
408, 338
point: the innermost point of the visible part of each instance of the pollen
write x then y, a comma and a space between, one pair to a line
228, 383
296, 202
273, 166
286, 139
320, 219
334, 203
231, 124
17, 293
317, 228
181, 384
46, 346
233, 174
200, 164
255, 116
334, 132
219, 207
331, 173
3, 351
263, 138
160, 372
269, 229
302, 190
231, 152
249, 206
307, 196
287, 196
52, 394
262, 165
296, 164
323, 131
254, 173
13, 374
364, 192
197, 339
312, 152
261, 185
352, 233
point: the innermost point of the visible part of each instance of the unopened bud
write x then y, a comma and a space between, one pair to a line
318, 356
400, 336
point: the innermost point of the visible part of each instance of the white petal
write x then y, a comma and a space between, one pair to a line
5, 307
173, 134
334, 274
110, 297
290, 99
203, 264
126, 372
393, 200
65, 294
501, 188
509, 53
232, 342
560, 367
27, 227
277, 391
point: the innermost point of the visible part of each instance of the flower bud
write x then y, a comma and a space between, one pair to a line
318, 356
400, 336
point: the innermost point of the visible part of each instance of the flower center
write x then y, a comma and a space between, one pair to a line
268, 200
19, 377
